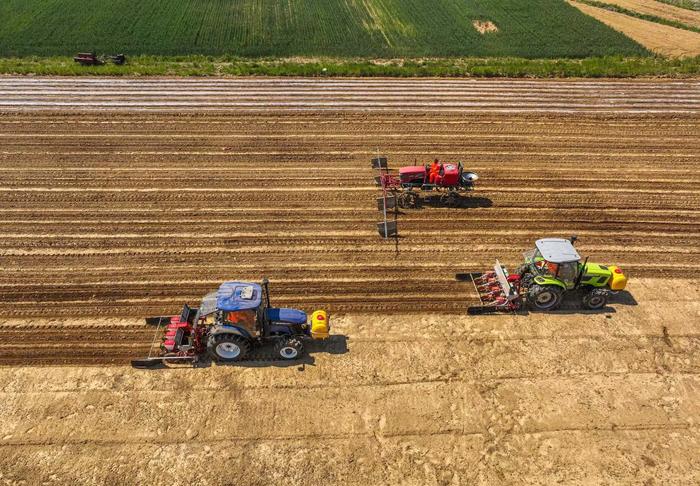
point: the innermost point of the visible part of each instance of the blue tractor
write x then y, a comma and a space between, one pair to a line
230, 324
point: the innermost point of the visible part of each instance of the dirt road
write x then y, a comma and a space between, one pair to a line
124, 198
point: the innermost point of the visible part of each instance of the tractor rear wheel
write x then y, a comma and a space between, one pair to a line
544, 297
408, 200
289, 348
595, 299
228, 348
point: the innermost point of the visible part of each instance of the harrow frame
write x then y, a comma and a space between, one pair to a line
497, 293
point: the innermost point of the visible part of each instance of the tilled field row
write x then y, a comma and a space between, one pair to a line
439, 96
128, 214
347, 124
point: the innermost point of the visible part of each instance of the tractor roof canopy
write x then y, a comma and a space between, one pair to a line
236, 296
557, 250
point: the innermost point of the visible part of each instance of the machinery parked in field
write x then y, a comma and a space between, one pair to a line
229, 324
551, 270
444, 183
92, 59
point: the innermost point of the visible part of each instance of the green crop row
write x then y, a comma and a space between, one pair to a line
282, 28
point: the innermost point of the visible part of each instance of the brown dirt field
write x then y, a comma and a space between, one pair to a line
663, 10
659, 38
484, 27
119, 212
416, 399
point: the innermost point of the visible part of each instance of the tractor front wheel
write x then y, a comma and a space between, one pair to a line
228, 348
595, 299
289, 348
544, 297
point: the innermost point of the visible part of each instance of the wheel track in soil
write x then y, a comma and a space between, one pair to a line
80, 240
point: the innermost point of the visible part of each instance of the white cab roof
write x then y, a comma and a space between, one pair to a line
557, 250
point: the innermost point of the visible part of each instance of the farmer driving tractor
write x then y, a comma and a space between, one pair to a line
434, 171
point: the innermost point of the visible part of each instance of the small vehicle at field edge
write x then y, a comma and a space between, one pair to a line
551, 270
231, 323
92, 59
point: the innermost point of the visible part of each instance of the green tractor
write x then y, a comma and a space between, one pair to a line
554, 267
551, 269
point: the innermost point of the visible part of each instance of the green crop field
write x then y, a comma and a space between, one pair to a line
355, 28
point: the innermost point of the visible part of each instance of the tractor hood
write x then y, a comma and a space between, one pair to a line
594, 269
412, 170
291, 316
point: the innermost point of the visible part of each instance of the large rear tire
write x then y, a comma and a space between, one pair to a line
228, 348
595, 299
544, 297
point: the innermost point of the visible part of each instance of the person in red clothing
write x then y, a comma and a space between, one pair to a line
434, 171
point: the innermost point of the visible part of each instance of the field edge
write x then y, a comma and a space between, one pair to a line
195, 65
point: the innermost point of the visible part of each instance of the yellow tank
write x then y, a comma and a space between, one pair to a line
320, 326
618, 281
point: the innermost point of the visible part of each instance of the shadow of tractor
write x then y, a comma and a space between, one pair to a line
571, 304
263, 357
464, 202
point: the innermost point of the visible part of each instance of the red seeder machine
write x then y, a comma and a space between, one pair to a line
442, 183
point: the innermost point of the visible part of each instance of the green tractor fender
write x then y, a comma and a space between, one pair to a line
546, 280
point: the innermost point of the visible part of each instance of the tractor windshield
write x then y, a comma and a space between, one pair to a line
541, 266
531, 255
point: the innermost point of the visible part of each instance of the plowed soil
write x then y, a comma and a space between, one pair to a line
659, 38
111, 212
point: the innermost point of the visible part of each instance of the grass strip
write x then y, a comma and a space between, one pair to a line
194, 65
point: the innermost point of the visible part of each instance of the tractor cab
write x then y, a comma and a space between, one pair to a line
247, 305
555, 258
238, 305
